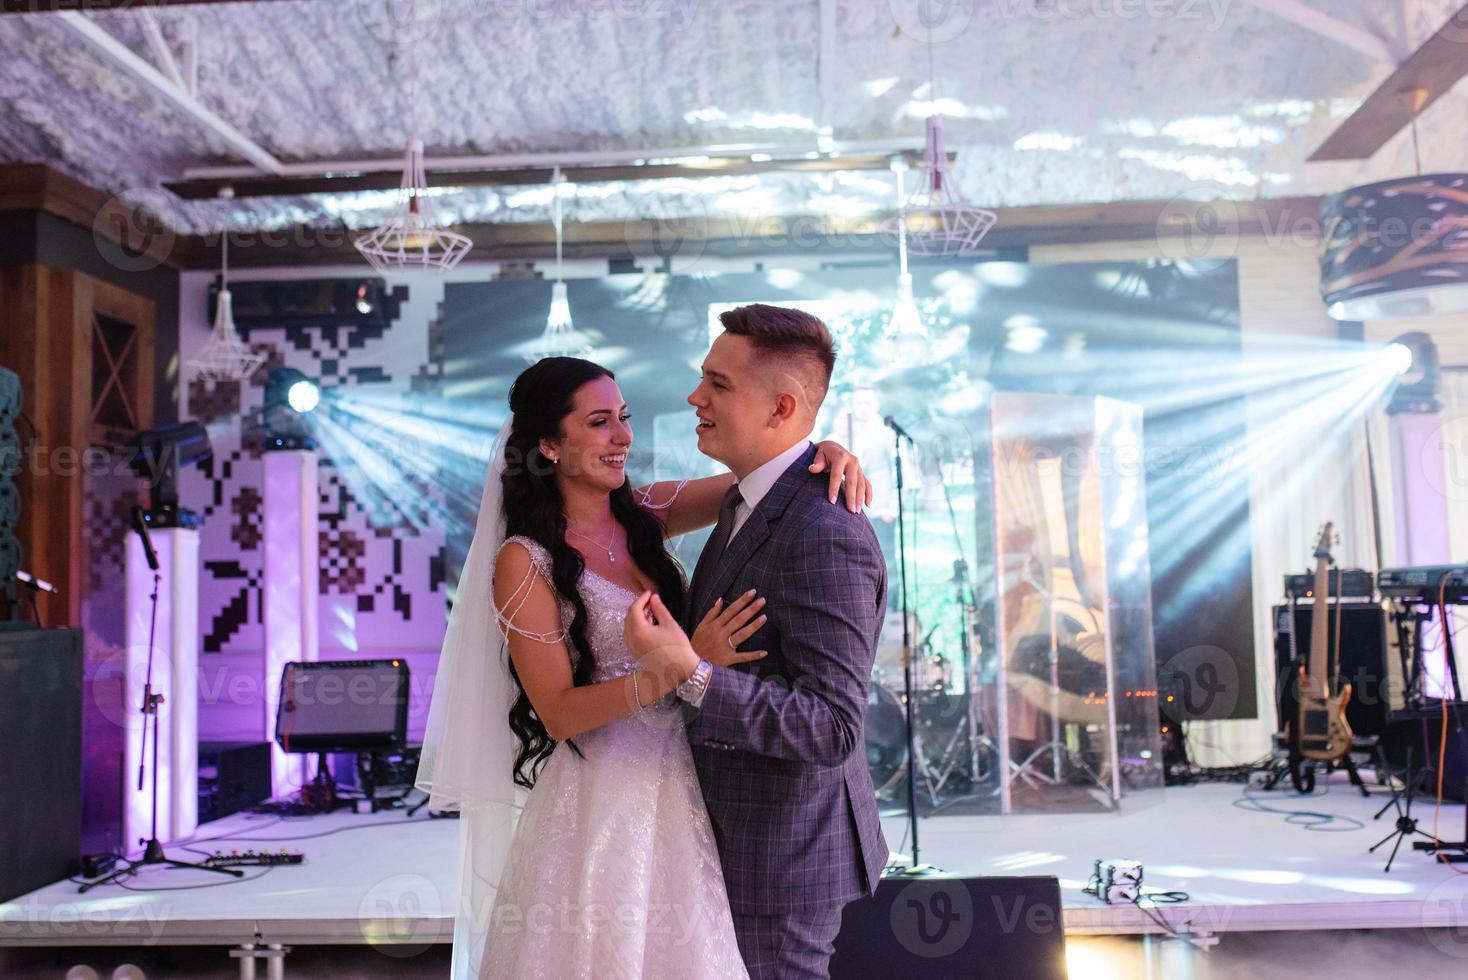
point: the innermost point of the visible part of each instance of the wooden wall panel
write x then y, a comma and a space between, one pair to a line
46, 328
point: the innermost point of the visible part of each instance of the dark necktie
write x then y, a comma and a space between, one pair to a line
718, 541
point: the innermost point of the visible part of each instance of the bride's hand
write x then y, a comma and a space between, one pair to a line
724, 628
655, 640
844, 467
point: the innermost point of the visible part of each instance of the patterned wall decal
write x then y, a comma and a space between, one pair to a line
374, 561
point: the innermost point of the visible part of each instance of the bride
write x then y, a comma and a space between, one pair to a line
608, 867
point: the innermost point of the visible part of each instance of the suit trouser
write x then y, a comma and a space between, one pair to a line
789, 945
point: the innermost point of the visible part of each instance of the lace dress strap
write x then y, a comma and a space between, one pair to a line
644, 496
540, 562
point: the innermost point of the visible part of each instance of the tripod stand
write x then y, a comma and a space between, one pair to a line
152, 849
969, 735
1406, 824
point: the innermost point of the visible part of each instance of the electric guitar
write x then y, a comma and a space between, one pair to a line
1320, 728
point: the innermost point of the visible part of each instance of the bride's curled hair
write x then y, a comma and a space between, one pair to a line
541, 398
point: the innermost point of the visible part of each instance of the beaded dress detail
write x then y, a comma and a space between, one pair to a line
613, 871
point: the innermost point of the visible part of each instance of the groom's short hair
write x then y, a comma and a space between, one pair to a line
793, 335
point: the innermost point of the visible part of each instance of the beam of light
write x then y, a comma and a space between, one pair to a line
1238, 441
410, 460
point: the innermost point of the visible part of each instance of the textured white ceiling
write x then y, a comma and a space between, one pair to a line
1047, 101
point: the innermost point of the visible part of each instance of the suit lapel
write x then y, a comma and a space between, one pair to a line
756, 530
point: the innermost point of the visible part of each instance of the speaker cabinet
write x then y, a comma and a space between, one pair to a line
233, 776
41, 765
1365, 660
932, 928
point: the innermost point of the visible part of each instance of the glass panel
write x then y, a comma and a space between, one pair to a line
1055, 693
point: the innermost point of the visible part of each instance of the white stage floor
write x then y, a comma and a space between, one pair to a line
386, 879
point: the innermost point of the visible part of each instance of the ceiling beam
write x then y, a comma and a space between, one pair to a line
735, 237
37, 187
200, 188
1425, 76
1357, 38
151, 79
162, 53
568, 159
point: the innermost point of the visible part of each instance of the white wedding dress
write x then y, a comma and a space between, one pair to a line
613, 871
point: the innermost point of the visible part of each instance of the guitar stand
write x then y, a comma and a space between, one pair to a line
1281, 766
1349, 765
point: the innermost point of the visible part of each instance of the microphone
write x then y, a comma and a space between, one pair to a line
39, 584
140, 525
891, 423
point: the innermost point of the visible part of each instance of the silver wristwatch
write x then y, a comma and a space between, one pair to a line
692, 690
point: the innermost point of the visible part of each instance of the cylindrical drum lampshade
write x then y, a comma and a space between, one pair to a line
1397, 249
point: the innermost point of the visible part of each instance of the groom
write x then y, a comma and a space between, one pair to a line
778, 741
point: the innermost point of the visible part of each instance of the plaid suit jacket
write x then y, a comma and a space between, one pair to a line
778, 743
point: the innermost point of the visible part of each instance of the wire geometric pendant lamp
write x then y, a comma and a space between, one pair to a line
412, 237
937, 221
560, 338
224, 356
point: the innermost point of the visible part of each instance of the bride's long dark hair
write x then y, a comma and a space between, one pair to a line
541, 398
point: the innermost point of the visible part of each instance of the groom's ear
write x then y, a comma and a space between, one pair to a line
786, 408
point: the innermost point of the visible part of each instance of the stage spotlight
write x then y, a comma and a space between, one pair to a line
303, 396
1413, 357
1399, 356
289, 387
159, 454
290, 397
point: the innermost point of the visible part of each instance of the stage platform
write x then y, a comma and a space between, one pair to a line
389, 880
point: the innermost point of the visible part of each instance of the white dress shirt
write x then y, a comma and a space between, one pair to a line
759, 482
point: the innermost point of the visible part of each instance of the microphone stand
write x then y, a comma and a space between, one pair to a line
915, 869
152, 849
